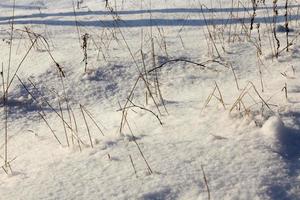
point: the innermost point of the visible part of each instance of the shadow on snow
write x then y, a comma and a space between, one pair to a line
131, 23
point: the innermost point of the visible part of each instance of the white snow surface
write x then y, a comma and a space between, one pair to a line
247, 147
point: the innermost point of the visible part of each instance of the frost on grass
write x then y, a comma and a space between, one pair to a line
171, 91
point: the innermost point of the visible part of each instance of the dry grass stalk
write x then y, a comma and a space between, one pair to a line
286, 24
220, 98
147, 85
244, 92
291, 42
259, 46
275, 14
285, 91
76, 129
160, 94
263, 101
139, 148
209, 98
84, 47
206, 183
254, 6
11, 41
87, 126
212, 94
144, 158
64, 126
76, 23
133, 166
259, 65
19, 66
134, 140
66, 99
74, 134
44, 42
89, 114
124, 110
48, 125
5, 166
145, 109
40, 114
163, 40
187, 61
240, 97
146, 74
209, 32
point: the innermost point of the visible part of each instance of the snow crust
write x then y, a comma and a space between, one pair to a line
251, 153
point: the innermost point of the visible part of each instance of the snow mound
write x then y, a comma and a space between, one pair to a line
273, 128
283, 140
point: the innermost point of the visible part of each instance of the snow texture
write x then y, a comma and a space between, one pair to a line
221, 114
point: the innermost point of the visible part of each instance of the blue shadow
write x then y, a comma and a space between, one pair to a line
131, 23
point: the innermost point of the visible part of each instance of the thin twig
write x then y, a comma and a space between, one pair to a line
87, 127
206, 183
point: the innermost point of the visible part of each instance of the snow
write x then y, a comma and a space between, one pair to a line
274, 127
245, 138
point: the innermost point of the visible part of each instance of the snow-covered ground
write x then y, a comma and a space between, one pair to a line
220, 112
